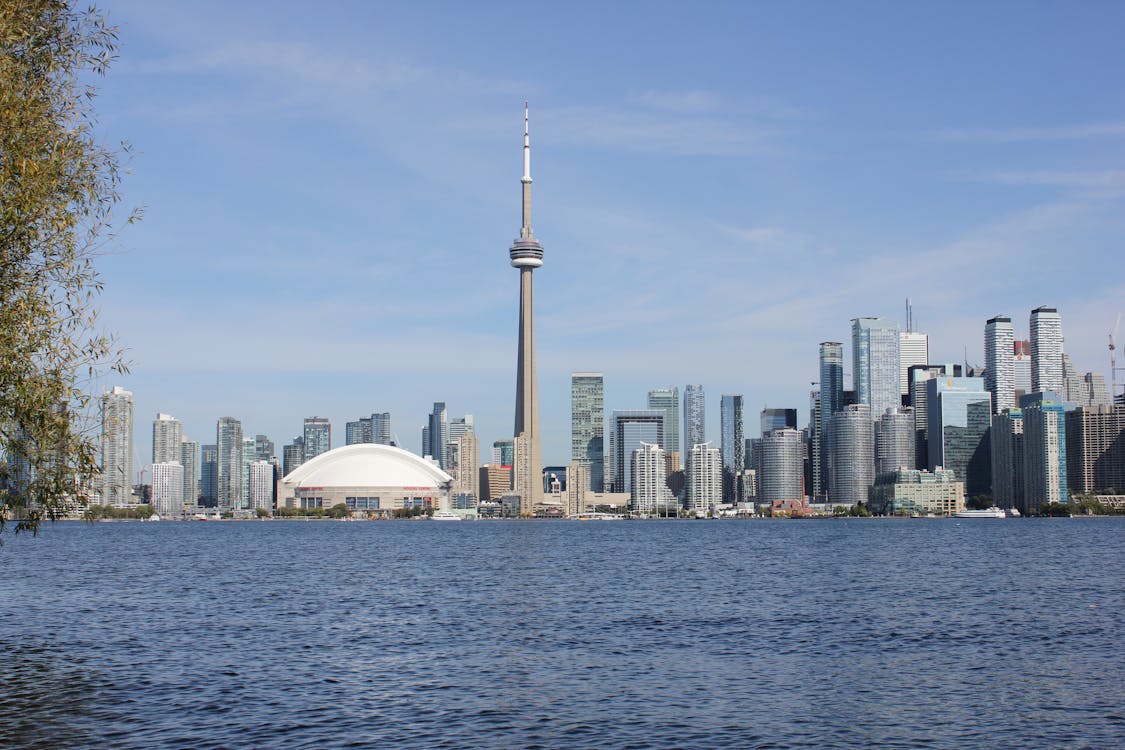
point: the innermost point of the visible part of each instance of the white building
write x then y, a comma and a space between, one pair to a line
999, 363
913, 349
168, 489
649, 492
1046, 350
261, 485
167, 433
782, 475
704, 478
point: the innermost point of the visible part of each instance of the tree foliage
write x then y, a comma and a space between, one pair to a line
59, 187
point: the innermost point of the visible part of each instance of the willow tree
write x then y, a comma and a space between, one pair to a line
59, 187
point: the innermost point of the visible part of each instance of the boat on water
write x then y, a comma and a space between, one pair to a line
446, 515
992, 512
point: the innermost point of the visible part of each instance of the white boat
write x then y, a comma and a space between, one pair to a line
1013, 513
992, 512
446, 515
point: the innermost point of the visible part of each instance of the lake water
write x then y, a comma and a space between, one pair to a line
741, 634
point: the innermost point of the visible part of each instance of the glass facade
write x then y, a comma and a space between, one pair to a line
960, 415
587, 425
630, 429
876, 362
732, 445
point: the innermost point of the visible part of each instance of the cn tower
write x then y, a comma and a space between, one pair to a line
527, 255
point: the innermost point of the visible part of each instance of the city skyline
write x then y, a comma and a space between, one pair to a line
705, 226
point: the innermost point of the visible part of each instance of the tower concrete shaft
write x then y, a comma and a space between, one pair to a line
527, 254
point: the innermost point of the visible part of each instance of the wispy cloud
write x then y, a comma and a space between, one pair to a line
1109, 178
1081, 131
676, 101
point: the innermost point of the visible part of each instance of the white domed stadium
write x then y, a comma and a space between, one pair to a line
366, 477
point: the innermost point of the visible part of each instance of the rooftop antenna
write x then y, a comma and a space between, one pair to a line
1113, 362
909, 317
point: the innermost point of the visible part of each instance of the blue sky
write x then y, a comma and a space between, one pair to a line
330, 191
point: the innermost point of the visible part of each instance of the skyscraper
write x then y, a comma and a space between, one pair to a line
628, 430
668, 399
999, 365
504, 452
167, 433
457, 428
318, 437
851, 455
208, 475
526, 254
263, 448
1044, 449
587, 426
815, 483
1095, 447
777, 419
1046, 350
1007, 459
247, 459
261, 485
467, 478
189, 459
782, 461
228, 466
292, 455
733, 446
831, 399
695, 417
168, 488
117, 446
894, 440
959, 415
875, 368
435, 436
913, 349
648, 487
704, 477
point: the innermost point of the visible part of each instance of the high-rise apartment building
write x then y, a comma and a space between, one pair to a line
495, 480
648, 486
228, 471
248, 457
895, 440
1007, 460
292, 455
587, 426
1044, 449
875, 363
815, 480
457, 428
959, 415
167, 432
261, 484
695, 418
189, 459
467, 476
168, 489
504, 452
831, 399
733, 446
116, 481
1095, 448
435, 436
913, 349
851, 455
263, 448
628, 429
1046, 350
704, 476
209, 475
668, 400
778, 419
999, 362
318, 437
782, 466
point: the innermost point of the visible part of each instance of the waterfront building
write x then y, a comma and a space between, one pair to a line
167, 433
695, 418
228, 471
704, 478
1044, 449
1007, 459
587, 426
895, 440
116, 480
577, 488
959, 414
831, 399
526, 254
189, 459
909, 491
875, 363
668, 400
292, 455
318, 437
628, 429
648, 487
815, 481
209, 475
526, 484
168, 489
780, 476
733, 446
1095, 448
262, 485
248, 457
913, 349
851, 455
367, 477
999, 362
495, 481
1046, 350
